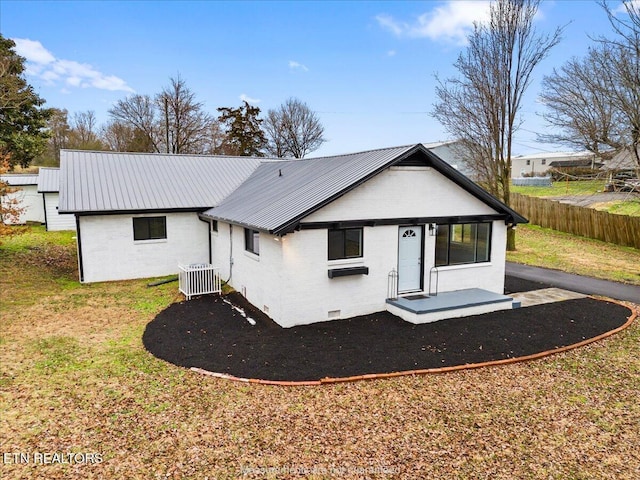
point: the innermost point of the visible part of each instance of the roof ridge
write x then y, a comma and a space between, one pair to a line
382, 149
162, 154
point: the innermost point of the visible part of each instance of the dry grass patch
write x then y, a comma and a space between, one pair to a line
76, 378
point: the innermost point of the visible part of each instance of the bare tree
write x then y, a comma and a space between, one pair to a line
579, 106
293, 129
186, 125
214, 140
622, 73
276, 134
83, 133
121, 137
139, 113
481, 106
58, 129
594, 103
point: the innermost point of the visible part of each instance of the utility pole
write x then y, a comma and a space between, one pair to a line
166, 119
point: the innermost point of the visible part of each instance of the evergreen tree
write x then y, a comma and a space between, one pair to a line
243, 134
23, 134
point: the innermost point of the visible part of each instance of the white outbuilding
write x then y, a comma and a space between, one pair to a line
49, 188
27, 196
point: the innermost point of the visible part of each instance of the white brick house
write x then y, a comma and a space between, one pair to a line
303, 240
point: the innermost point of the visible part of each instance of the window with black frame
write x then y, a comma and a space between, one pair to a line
345, 243
149, 228
463, 243
252, 241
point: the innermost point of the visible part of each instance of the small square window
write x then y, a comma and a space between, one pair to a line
345, 243
252, 241
149, 228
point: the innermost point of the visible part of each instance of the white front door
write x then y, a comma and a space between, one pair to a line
409, 259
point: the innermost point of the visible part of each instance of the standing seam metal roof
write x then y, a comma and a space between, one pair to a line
48, 180
277, 195
278, 192
95, 182
20, 179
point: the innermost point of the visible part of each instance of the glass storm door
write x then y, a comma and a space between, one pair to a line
409, 259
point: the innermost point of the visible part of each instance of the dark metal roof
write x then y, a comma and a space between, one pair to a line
278, 195
586, 162
20, 179
106, 182
48, 180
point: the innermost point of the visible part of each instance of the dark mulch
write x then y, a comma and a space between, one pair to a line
207, 333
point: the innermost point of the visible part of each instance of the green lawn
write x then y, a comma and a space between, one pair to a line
586, 187
75, 378
548, 248
629, 207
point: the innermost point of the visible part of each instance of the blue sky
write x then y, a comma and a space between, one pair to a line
366, 68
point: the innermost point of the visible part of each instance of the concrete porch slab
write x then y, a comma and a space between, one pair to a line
459, 303
545, 295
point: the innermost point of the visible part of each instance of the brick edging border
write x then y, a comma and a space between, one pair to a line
455, 368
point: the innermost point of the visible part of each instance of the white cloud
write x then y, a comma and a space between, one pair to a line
293, 65
391, 53
248, 99
631, 3
33, 51
43, 64
389, 23
451, 21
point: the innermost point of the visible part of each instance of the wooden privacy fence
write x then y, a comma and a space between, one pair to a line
587, 222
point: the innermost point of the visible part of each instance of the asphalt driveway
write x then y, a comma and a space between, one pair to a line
575, 283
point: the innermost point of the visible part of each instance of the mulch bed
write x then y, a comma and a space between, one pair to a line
207, 333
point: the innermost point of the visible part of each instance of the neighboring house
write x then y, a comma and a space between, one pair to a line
27, 195
622, 161
137, 214
303, 240
539, 163
49, 187
454, 154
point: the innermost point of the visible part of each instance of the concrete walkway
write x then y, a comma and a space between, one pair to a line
575, 283
545, 295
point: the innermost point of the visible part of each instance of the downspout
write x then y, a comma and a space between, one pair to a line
230, 253
230, 248
79, 242
44, 205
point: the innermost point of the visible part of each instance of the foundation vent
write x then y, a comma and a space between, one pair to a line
333, 314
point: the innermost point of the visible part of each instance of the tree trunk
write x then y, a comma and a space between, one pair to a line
511, 239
